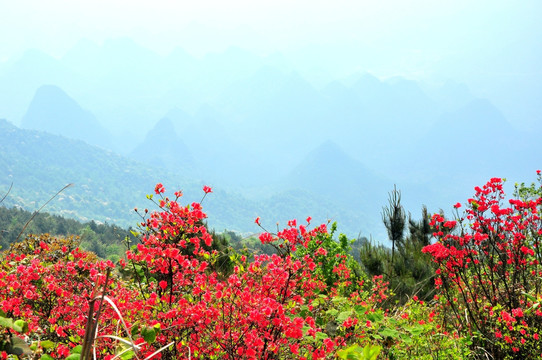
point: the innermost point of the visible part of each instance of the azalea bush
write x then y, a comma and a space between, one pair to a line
264, 309
169, 299
182, 294
489, 273
49, 283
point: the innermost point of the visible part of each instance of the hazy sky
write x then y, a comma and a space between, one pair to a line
492, 45
434, 28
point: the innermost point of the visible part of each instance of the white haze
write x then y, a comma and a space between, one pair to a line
436, 96
493, 46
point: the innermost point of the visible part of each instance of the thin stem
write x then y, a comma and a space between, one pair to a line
36, 213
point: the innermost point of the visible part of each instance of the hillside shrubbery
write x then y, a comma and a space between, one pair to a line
182, 293
105, 240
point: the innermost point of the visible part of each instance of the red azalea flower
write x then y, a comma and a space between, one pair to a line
159, 188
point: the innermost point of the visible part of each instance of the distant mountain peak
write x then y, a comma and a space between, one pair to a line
329, 147
170, 154
54, 111
36, 55
480, 113
368, 85
329, 171
6, 125
163, 126
49, 89
332, 157
367, 77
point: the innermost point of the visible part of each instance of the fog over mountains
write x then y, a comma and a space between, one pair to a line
258, 130
52, 110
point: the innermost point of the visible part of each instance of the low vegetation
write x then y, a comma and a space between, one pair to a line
449, 288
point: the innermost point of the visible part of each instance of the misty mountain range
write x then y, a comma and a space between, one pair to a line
255, 128
107, 187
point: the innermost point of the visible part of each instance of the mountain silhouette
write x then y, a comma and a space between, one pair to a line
54, 111
329, 172
164, 148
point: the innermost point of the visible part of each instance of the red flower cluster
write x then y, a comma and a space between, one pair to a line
489, 259
50, 287
255, 312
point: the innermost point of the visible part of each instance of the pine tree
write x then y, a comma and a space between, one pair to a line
394, 219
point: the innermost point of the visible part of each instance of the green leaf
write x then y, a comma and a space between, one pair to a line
350, 352
406, 339
529, 296
6, 322
338, 299
46, 357
135, 329
149, 334
370, 352
416, 331
315, 302
375, 317
74, 357
355, 352
332, 312
343, 316
321, 336
389, 333
127, 355
530, 310
20, 326
47, 344
77, 349
359, 309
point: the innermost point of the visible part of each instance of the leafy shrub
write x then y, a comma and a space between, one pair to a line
489, 271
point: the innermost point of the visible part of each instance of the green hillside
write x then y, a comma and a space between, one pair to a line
105, 240
107, 187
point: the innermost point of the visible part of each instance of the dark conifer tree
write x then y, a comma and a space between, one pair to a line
394, 219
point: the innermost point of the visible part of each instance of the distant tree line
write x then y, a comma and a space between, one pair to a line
105, 240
